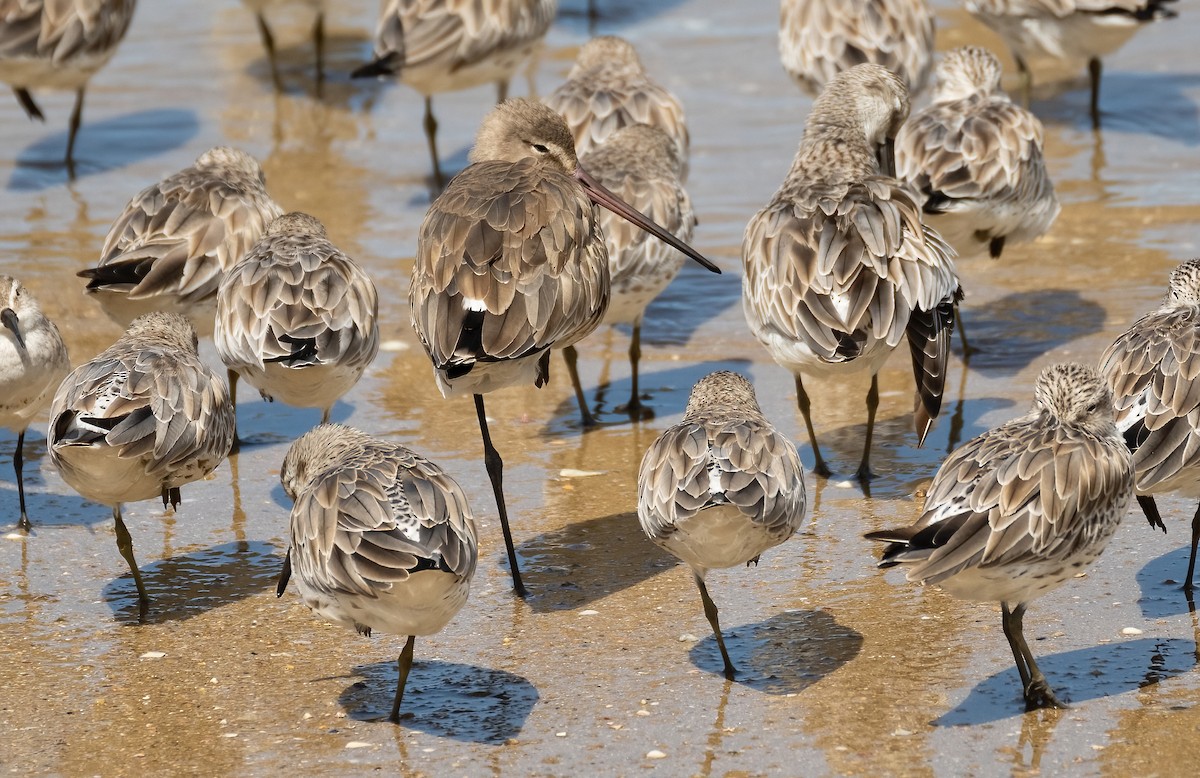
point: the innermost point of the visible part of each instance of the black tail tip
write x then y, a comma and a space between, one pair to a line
384, 66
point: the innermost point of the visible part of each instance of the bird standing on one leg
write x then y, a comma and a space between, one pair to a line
139, 420
381, 539
720, 487
1023, 508
33, 361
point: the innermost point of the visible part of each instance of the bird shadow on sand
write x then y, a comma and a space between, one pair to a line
1077, 676
1013, 331
262, 424
1156, 104
785, 654
191, 584
564, 571
466, 703
1161, 579
104, 145
345, 50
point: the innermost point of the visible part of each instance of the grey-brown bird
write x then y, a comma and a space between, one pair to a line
511, 263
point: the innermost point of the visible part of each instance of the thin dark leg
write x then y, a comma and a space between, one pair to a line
125, 546
635, 356
819, 468
325, 415
73, 130
19, 466
405, 665
710, 612
1150, 509
967, 350
431, 135
571, 357
1187, 585
232, 378
495, 468
319, 45
269, 44
1038, 693
1018, 657
1094, 69
26, 101
864, 467
501, 90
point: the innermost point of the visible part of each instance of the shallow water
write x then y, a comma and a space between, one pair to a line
845, 670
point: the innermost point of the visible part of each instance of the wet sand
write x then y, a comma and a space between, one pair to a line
846, 670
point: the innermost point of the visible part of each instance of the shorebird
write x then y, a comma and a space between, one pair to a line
139, 420
641, 165
171, 244
382, 539
1153, 370
260, 8
33, 360
838, 265
608, 89
1075, 31
59, 44
438, 46
1023, 508
511, 263
297, 317
720, 487
977, 159
820, 38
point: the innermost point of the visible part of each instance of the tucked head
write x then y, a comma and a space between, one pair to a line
1185, 284
606, 51
520, 129
965, 71
722, 390
1076, 395
866, 96
171, 328
316, 451
226, 158
296, 221
652, 151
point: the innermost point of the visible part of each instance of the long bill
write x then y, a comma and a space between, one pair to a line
601, 195
8, 317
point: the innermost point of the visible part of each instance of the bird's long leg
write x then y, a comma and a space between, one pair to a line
819, 468
1018, 657
710, 612
405, 665
1094, 68
967, 351
269, 44
19, 465
495, 469
864, 467
1187, 585
431, 126
1037, 692
232, 378
125, 546
26, 100
571, 357
73, 129
635, 356
319, 45
501, 90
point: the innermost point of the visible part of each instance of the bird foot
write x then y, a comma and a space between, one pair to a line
1038, 695
864, 474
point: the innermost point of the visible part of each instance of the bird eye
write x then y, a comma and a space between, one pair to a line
540, 148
